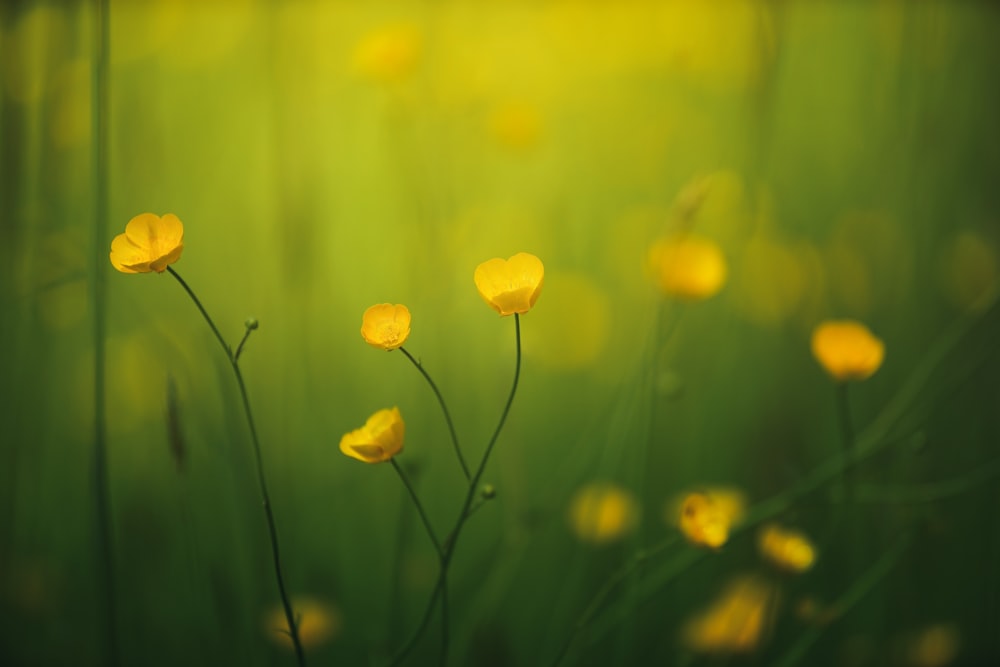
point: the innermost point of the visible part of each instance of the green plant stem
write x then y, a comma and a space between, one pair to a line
609, 586
440, 589
861, 587
258, 460
102, 490
444, 409
846, 437
419, 506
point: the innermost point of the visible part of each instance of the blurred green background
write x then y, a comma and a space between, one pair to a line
326, 156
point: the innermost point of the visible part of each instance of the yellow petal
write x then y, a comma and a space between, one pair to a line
847, 349
510, 286
386, 326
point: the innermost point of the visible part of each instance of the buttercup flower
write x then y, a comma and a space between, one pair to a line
602, 513
150, 243
510, 286
735, 622
706, 517
787, 549
688, 267
386, 326
847, 350
318, 622
378, 440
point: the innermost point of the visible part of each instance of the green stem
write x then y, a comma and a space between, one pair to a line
419, 506
440, 589
444, 409
862, 587
105, 540
847, 437
258, 461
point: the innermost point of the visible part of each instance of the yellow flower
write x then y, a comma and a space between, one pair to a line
390, 54
688, 267
149, 243
847, 350
318, 622
378, 440
386, 326
706, 517
602, 513
736, 622
788, 549
510, 286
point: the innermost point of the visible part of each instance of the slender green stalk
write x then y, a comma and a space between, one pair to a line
105, 541
419, 506
444, 409
440, 589
861, 587
846, 437
258, 460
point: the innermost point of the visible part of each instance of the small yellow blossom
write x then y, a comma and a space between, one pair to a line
787, 549
378, 440
512, 285
150, 243
706, 517
386, 326
318, 623
602, 513
847, 349
390, 54
688, 267
934, 646
736, 622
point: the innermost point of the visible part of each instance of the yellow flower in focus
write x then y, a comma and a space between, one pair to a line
386, 326
706, 517
736, 622
378, 440
388, 55
149, 243
602, 513
847, 349
512, 285
788, 549
318, 623
688, 267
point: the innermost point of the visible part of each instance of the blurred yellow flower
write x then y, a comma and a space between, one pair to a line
688, 267
788, 549
934, 646
378, 440
149, 243
386, 326
706, 517
512, 285
847, 349
600, 513
388, 55
736, 622
516, 126
318, 623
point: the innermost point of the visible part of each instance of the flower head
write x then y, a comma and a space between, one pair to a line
847, 350
788, 549
317, 622
149, 243
378, 440
512, 285
705, 517
737, 621
386, 326
602, 513
688, 267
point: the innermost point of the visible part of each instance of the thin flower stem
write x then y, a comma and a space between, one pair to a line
243, 341
419, 506
105, 541
444, 409
452, 540
847, 436
261, 480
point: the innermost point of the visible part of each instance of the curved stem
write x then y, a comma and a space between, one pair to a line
261, 480
444, 409
449, 547
419, 506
